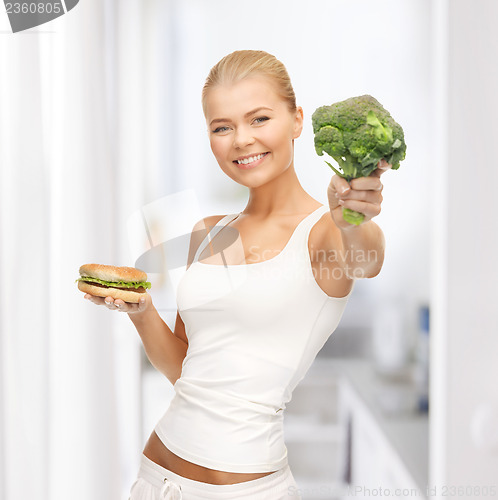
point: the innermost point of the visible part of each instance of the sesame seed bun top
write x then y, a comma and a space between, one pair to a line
112, 273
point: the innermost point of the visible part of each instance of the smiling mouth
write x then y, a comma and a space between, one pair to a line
251, 159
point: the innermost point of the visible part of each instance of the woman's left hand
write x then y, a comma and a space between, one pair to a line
363, 195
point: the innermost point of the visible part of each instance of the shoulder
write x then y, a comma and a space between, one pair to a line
199, 232
202, 226
212, 220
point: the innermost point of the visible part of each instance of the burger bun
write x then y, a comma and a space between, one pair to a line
112, 273
115, 293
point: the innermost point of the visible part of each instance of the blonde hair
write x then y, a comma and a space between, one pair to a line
244, 63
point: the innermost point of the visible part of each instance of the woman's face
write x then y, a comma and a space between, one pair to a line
251, 130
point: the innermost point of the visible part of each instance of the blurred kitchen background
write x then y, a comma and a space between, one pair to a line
104, 157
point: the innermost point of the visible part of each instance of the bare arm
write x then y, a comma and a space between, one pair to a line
165, 349
363, 250
363, 246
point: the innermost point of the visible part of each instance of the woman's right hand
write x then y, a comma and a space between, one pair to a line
120, 305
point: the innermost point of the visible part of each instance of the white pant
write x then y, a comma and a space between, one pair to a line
157, 483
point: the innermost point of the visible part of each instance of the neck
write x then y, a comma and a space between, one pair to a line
283, 195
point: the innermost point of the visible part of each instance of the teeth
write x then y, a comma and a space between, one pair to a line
245, 161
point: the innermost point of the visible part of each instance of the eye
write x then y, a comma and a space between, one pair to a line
220, 129
261, 119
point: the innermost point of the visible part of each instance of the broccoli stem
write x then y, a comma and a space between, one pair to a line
335, 170
350, 168
348, 215
352, 217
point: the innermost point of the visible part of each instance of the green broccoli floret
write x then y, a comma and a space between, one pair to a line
357, 133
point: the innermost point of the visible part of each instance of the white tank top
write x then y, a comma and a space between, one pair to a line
253, 332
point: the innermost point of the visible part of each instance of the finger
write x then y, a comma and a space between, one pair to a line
144, 302
131, 307
109, 302
94, 299
118, 305
382, 167
123, 306
367, 183
333, 197
340, 185
368, 209
367, 196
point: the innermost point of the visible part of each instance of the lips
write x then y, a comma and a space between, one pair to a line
250, 161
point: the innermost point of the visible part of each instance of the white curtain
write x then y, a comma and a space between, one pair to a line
71, 136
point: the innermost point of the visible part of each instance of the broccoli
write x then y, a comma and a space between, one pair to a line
357, 133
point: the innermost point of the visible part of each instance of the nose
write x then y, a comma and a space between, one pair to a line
242, 138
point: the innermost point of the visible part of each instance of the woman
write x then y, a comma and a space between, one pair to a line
263, 291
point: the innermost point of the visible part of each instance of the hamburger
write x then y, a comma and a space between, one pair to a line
125, 283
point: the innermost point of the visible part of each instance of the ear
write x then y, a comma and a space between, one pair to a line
298, 122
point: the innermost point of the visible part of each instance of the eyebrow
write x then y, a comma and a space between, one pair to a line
217, 120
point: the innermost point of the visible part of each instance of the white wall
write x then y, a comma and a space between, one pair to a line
333, 49
464, 399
